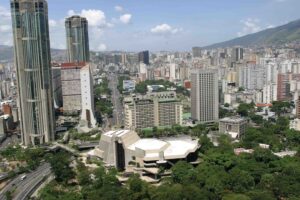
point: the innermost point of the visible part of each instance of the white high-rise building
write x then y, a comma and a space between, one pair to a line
205, 95
87, 97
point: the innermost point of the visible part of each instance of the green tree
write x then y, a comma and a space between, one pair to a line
240, 180
60, 165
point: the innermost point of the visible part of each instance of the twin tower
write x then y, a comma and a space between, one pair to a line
33, 66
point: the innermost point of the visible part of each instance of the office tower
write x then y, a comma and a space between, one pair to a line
237, 54
77, 91
196, 52
32, 60
154, 109
205, 95
77, 39
144, 57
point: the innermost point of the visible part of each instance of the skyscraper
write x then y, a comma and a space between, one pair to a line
32, 60
77, 39
204, 95
196, 52
144, 57
237, 54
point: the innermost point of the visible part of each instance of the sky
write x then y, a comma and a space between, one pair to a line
160, 25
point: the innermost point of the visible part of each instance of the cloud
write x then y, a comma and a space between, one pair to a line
5, 28
4, 13
52, 23
164, 29
280, 1
119, 8
6, 37
250, 25
126, 18
102, 47
94, 17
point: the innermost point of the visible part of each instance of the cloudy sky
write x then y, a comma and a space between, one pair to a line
135, 25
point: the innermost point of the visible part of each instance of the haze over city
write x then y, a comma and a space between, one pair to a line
161, 25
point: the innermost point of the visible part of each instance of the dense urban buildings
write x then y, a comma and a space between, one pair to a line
32, 60
204, 95
77, 39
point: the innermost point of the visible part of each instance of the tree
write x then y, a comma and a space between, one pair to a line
240, 180
60, 165
205, 143
236, 197
182, 172
280, 107
244, 109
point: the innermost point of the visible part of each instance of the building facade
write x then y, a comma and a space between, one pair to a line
234, 126
77, 91
77, 39
154, 109
32, 61
71, 87
204, 95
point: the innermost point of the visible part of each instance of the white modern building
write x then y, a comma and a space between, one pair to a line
77, 91
205, 95
87, 97
119, 148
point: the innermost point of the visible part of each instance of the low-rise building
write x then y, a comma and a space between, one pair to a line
234, 126
119, 148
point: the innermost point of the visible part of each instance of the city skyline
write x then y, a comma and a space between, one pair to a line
135, 26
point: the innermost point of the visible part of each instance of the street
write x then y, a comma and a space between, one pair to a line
21, 189
118, 115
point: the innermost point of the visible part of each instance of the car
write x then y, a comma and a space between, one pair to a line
23, 177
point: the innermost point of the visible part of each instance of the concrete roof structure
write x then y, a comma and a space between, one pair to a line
150, 149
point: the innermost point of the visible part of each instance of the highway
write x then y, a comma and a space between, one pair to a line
118, 115
22, 189
10, 140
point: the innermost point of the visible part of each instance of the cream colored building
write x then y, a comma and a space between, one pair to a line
153, 109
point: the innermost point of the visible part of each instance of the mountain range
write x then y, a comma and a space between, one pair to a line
273, 36
7, 53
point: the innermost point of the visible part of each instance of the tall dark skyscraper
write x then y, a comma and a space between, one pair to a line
32, 60
237, 54
144, 57
77, 39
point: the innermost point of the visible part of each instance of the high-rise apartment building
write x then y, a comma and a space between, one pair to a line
196, 52
77, 39
237, 54
32, 60
204, 95
154, 109
144, 57
77, 91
